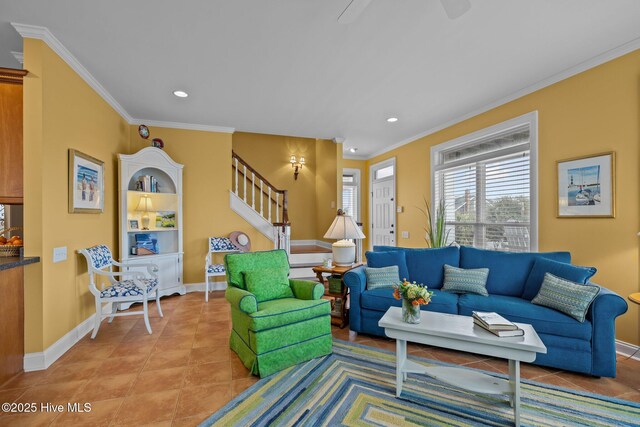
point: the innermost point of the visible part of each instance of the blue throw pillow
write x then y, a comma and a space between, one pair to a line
388, 258
573, 273
465, 281
384, 277
570, 298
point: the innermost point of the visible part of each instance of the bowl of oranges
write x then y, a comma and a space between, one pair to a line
10, 246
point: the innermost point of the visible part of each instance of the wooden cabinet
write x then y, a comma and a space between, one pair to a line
11, 322
11, 135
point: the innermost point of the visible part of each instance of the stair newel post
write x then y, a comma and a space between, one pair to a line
285, 206
261, 199
236, 160
287, 238
277, 207
269, 199
253, 190
244, 179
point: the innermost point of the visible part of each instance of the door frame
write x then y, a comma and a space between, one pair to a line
372, 174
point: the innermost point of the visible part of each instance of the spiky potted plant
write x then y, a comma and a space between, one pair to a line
436, 233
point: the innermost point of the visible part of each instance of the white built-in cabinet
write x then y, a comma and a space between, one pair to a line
166, 198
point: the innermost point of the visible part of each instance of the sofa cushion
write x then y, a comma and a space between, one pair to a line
544, 320
286, 311
465, 280
426, 266
573, 273
563, 295
382, 299
378, 259
236, 264
383, 277
268, 283
508, 271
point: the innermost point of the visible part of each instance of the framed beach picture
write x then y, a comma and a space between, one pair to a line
86, 183
586, 186
133, 224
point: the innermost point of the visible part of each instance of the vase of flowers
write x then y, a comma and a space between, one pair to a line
413, 295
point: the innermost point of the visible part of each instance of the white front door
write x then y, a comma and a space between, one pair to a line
383, 205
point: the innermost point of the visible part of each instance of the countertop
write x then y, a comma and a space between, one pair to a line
7, 263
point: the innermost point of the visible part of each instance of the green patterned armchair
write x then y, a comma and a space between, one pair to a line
277, 322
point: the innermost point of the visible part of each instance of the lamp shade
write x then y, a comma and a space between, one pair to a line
344, 227
145, 204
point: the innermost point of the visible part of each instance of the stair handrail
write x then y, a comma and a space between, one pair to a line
237, 161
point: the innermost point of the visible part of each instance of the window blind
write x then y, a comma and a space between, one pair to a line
350, 200
486, 189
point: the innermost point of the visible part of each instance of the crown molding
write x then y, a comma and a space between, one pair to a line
338, 140
593, 62
353, 157
43, 33
179, 125
19, 57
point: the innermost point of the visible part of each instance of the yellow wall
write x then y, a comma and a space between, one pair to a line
206, 157
269, 156
328, 155
62, 112
592, 112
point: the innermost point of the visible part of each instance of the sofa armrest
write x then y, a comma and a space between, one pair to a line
241, 300
306, 289
356, 280
603, 312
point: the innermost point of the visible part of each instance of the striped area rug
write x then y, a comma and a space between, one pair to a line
355, 386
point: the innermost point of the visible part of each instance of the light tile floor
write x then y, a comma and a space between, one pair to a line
185, 371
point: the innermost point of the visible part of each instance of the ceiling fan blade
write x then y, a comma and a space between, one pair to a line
352, 11
455, 8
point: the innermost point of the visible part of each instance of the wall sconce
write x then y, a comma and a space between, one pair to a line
296, 165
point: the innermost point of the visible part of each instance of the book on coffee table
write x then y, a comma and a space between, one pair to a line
493, 321
501, 333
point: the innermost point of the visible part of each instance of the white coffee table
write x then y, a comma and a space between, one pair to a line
459, 333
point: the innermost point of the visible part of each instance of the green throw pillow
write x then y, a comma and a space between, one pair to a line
384, 277
268, 284
465, 281
568, 297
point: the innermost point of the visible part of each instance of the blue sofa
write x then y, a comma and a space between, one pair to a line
587, 347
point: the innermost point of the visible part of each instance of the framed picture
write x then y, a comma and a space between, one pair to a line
86, 183
586, 186
165, 220
133, 224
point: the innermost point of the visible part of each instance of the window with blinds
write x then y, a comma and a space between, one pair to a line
350, 195
486, 186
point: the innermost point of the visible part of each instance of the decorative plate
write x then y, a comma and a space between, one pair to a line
157, 142
143, 131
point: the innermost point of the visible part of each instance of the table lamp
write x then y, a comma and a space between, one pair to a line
145, 206
342, 229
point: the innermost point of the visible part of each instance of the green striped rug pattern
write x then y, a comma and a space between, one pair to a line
355, 386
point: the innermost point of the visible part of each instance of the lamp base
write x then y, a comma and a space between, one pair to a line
344, 253
145, 221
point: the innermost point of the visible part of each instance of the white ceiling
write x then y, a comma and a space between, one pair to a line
287, 67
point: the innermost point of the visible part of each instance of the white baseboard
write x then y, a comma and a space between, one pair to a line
627, 349
43, 359
199, 287
320, 243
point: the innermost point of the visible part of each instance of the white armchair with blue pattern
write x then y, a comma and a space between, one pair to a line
124, 286
220, 245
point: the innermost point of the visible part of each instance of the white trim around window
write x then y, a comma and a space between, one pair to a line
529, 120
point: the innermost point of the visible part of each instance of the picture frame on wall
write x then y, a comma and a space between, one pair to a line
586, 186
86, 183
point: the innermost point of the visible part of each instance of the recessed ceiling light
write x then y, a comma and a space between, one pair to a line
353, 149
180, 93
392, 119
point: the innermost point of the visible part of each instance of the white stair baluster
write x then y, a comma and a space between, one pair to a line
236, 159
269, 199
253, 191
261, 199
277, 208
245, 183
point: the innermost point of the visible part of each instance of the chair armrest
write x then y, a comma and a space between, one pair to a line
603, 312
306, 289
241, 300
